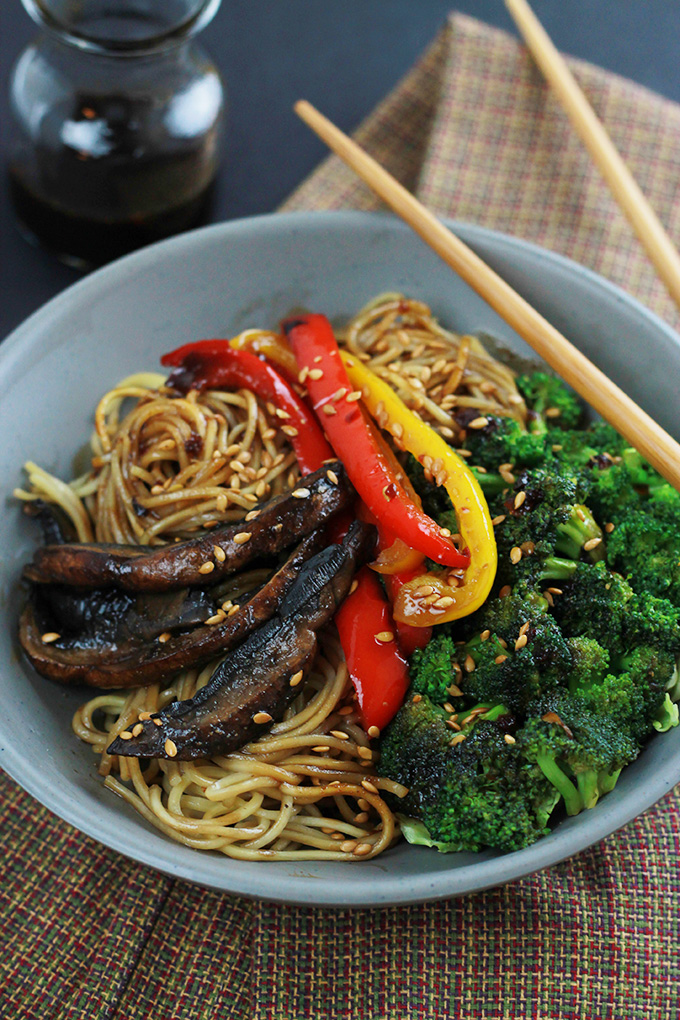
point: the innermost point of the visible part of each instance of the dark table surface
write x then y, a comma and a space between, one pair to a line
343, 55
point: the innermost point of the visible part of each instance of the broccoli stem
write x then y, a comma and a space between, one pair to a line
576, 531
607, 780
588, 787
554, 774
554, 568
490, 483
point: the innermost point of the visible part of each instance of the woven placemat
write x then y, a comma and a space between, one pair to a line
85, 933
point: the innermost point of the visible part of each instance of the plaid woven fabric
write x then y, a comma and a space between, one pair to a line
89, 935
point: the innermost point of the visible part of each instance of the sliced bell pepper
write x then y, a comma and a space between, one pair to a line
416, 602
337, 406
377, 668
410, 638
214, 364
270, 346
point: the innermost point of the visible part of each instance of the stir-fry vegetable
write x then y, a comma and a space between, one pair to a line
434, 598
378, 670
337, 405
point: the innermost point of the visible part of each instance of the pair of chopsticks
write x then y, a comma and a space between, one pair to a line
659, 448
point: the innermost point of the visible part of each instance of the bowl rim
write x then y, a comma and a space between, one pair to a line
276, 887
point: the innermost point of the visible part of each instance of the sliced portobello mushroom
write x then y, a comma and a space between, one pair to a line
109, 638
255, 683
274, 526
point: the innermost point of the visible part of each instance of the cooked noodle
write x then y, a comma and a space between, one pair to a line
165, 467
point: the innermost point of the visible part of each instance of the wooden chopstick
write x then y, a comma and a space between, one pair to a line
625, 188
660, 449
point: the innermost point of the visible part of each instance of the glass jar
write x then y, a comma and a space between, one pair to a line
117, 125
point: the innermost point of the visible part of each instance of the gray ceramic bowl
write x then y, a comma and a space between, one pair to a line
214, 282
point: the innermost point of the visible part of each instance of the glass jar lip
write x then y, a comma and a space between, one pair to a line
171, 36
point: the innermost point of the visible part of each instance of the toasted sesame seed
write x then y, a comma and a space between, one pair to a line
499, 659
338, 835
365, 753
332, 477
552, 412
329, 409
384, 636
221, 502
609, 527
206, 568
506, 474
527, 548
580, 514
368, 785
143, 716
556, 447
524, 628
315, 373
515, 554
321, 748
296, 678
502, 643
280, 413
458, 739
164, 637
469, 664
498, 520
444, 602
157, 722
252, 514
353, 586
520, 642
262, 717
49, 637
219, 553
454, 691
485, 635
592, 543
519, 499
289, 430
340, 734
509, 739
349, 846
363, 849
373, 731
416, 698
137, 729
318, 359
215, 618
548, 598
478, 423
361, 818
303, 374
234, 609
354, 396
242, 537
170, 748
445, 532
555, 591
424, 590
125, 735
301, 493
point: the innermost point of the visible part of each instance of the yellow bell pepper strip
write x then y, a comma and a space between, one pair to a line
337, 407
268, 345
434, 598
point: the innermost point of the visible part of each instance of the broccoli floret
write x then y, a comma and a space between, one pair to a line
590, 663
548, 523
647, 550
432, 668
518, 655
580, 751
600, 604
504, 441
550, 401
478, 792
580, 448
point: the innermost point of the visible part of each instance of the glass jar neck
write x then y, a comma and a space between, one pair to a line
122, 28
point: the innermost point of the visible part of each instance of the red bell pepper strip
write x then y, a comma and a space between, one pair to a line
377, 668
214, 364
409, 637
326, 379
